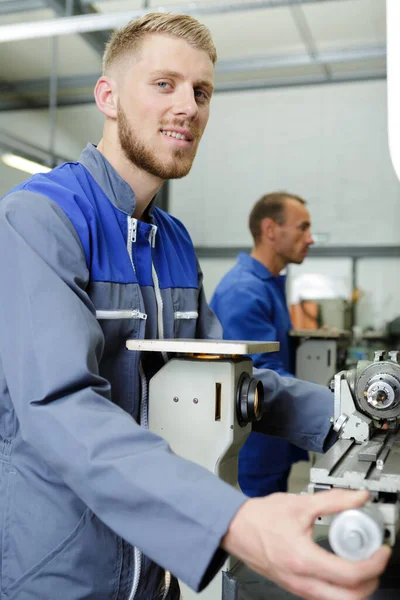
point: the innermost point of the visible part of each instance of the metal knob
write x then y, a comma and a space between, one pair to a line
340, 422
357, 534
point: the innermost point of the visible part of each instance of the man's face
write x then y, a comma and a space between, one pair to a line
293, 238
164, 105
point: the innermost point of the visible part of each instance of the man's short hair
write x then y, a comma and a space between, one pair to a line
271, 206
129, 38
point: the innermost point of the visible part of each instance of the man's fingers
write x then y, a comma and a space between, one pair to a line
335, 501
334, 569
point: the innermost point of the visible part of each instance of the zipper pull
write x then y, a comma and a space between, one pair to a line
136, 314
133, 229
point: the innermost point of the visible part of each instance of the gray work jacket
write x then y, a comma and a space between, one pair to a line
81, 482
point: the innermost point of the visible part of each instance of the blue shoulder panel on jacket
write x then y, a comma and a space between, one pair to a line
95, 219
102, 229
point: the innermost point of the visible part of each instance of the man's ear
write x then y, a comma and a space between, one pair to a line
105, 93
268, 227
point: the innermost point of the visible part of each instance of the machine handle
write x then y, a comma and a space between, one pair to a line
357, 534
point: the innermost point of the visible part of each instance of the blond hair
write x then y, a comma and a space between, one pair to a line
129, 38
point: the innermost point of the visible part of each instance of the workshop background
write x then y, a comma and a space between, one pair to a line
300, 105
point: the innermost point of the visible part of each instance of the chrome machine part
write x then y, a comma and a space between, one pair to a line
377, 389
365, 456
249, 399
357, 534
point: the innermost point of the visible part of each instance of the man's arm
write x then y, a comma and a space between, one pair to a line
50, 347
296, 410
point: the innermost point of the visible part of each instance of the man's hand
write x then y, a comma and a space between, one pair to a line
273, 536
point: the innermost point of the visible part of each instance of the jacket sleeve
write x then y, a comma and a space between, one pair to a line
50, 346
296, 410
245, 314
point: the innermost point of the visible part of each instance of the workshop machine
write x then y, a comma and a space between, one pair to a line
203, 401
365, 456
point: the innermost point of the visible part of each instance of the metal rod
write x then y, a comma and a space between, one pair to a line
308, 39
361, 252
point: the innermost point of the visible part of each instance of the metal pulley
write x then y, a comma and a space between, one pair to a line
357, 534
377, 387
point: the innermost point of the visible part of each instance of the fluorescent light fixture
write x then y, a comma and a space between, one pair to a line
23, 164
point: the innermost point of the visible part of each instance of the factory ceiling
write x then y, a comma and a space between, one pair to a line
51, 49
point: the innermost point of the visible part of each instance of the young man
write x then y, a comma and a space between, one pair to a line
250, 303
84, 258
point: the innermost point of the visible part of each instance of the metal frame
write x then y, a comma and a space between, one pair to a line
16, 145
8, 7
355, 252
65, 8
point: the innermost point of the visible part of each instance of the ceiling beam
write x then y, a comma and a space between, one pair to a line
14, 144
34, 93
8, 88
338, 56
306, 35
95, 39
236, 65
85, 23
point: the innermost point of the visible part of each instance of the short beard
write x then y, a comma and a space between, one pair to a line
144, 158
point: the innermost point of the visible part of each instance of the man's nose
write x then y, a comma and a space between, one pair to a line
185, 104
310, 239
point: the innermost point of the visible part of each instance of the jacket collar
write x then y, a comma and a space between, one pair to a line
115, 188
257, 268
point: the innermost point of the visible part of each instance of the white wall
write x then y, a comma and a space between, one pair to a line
326, 143
379, 283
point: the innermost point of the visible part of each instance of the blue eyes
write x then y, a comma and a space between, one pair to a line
199, 94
